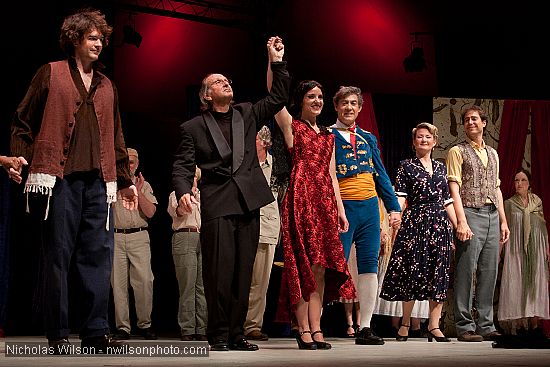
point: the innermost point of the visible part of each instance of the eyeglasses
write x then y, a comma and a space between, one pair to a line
219, 82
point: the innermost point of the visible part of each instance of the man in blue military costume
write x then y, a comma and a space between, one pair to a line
362, 179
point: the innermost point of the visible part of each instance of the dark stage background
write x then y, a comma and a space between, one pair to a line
473, 50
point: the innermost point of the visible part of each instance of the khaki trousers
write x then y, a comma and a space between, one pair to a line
258, 287
132, 260
192, 309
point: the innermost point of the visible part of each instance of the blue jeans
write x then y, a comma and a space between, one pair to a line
477, 256
75, 229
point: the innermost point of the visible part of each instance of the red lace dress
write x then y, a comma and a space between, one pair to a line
309, 218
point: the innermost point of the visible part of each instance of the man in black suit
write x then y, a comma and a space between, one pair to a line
222, 143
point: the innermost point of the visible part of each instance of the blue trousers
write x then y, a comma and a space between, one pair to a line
477, 256
75, 229
364, 229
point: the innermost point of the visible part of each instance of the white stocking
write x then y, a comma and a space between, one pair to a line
367, 287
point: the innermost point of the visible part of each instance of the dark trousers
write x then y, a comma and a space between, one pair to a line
229, 246
75, 229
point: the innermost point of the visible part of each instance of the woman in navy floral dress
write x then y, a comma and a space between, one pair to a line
420, 259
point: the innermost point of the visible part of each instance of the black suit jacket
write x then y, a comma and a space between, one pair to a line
232, 181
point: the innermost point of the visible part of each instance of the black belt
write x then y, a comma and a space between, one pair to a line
186, 230
130, 230
492, 207
486, 207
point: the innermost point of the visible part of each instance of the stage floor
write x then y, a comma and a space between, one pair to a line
285, 352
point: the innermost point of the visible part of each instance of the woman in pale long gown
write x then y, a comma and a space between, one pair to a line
524, 283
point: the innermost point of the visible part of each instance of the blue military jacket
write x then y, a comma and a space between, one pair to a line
368, 161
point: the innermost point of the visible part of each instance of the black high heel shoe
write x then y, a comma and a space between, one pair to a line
305, 345
431, 336
402, 338
321, 345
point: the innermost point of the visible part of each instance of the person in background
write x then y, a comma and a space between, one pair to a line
473, 175
187, 256
68, 128
523, 299
420, 259
270, 226
132, 258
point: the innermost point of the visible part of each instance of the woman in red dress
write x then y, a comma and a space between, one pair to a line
312, 215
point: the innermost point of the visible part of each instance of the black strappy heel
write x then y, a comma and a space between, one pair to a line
402, 338
431, 336
305, 345
321, 345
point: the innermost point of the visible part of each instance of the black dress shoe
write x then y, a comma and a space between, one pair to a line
100, 344
121, 335
60, 346
366, 336
219, 345
187, 338
243, 344
148, 334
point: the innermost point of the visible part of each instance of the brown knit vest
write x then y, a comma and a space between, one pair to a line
52, 142
478, 182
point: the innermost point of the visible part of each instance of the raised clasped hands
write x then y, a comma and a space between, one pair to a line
275, 48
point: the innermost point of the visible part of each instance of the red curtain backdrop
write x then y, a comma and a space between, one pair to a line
367, 120
511, 145
540, 142
540, 145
